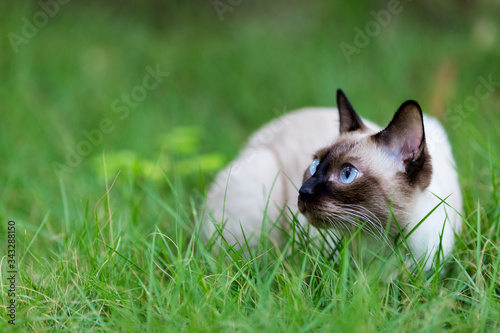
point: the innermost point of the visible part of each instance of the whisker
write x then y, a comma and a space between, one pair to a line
361, 217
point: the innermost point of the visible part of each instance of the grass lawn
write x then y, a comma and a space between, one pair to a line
114, 118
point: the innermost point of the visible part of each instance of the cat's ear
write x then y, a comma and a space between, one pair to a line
348, 118
404, 137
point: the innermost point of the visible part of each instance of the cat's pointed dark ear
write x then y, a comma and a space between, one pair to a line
404, 137
348, 118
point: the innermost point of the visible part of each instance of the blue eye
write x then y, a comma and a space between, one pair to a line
348, 174
314, 165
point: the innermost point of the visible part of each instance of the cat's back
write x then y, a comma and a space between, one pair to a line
296, 136
306, 125
444, 173
266, 173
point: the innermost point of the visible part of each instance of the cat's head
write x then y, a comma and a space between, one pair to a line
354, 181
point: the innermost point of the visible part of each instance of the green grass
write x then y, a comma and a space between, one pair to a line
114, 244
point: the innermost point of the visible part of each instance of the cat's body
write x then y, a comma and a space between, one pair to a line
277, 155
241, 191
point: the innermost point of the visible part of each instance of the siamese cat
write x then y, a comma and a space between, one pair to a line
384, 181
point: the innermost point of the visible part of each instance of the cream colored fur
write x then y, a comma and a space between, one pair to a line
281, 151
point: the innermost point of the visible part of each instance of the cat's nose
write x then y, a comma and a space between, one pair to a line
305, 192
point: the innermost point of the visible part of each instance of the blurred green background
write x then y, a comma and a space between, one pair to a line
232, 66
